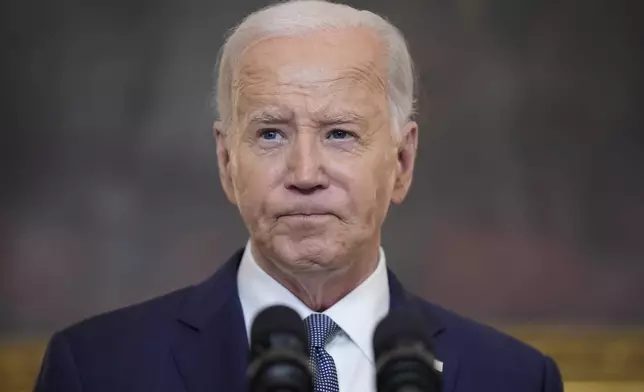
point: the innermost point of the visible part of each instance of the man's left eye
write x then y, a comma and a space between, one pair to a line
339, 134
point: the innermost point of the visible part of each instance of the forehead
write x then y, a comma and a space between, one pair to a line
344, 66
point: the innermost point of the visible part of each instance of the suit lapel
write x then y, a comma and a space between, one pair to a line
450, 363
400, 298
211, 348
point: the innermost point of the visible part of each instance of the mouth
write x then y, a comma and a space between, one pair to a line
305, 216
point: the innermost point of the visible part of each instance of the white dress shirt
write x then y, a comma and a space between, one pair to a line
357, 314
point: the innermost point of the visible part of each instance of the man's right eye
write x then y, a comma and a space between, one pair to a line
270, 134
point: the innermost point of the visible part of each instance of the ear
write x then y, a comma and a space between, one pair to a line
224, 161
405, 162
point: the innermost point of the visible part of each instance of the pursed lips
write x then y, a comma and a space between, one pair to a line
306, 213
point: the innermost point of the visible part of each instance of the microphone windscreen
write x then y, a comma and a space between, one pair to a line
275, 321
400, 327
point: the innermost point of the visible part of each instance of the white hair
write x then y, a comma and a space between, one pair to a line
304, 16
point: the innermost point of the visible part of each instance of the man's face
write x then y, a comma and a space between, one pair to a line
310, 160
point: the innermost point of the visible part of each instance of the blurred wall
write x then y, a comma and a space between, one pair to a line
528, 200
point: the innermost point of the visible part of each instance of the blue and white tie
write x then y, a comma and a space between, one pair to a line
321, 330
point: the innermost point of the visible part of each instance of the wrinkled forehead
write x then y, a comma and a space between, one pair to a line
343, 65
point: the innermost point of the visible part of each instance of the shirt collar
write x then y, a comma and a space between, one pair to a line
357, 314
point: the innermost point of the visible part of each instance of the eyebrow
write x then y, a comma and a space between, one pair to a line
344, 117
278, 117
270, 117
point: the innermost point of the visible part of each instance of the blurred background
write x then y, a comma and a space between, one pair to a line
527, 209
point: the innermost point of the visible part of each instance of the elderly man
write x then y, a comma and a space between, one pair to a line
314, 141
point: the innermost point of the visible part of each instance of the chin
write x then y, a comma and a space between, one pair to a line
310, 253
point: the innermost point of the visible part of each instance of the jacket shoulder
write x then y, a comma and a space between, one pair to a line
135, 321
485, 353
102, 351
476, 335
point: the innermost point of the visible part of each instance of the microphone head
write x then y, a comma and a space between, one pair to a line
278, 327
279, 352
404, 354
400, 327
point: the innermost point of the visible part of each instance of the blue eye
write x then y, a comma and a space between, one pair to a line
339, 134
270, 134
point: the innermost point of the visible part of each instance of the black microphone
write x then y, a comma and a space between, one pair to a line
279, 352
404, 355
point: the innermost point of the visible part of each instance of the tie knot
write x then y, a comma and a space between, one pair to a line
321, 329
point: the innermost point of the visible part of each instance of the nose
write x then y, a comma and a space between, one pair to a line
305, 165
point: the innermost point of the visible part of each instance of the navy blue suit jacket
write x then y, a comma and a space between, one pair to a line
194, 340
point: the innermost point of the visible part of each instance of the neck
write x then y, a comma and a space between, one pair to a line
321, 289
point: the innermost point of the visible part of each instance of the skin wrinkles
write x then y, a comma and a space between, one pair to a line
319, 99
310, 160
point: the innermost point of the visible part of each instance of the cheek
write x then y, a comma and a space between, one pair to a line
369, 187
250, 170
257, 181
251, 181
382, 184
